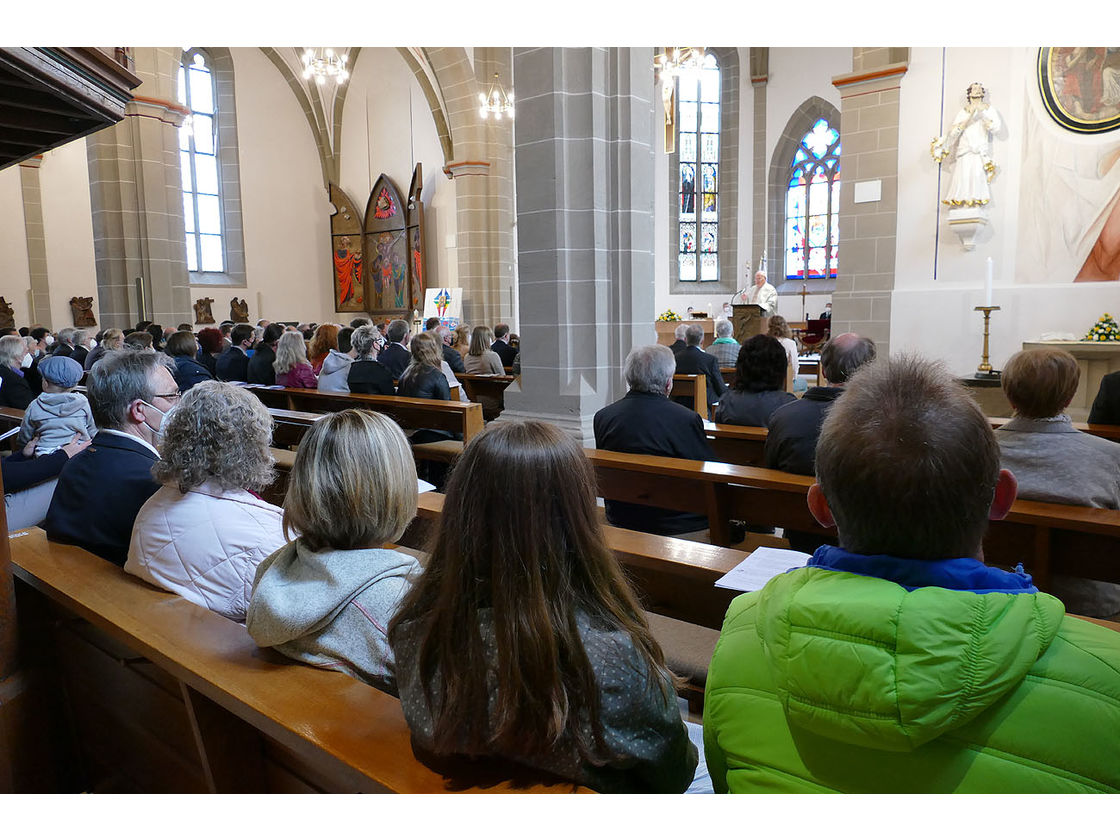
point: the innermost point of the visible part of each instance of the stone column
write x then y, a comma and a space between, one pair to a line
40, 300
869, 141
760, 75
137, 202
584, 172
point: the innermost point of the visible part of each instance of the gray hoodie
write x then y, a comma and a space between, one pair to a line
336, 370
56, 418
331, 608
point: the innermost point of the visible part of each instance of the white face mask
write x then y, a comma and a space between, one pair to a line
158, 430
49, 339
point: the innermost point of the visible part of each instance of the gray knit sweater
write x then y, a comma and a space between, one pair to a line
1054, 462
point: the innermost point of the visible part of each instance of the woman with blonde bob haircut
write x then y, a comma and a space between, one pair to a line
203, 533
326, 597
481, 359
522, 641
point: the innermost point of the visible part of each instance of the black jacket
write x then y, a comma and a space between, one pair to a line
21, 473
453, 359
429, 385
260, 369
791, 443
1106, 407
677, 346
370, 377
693, 360
395, 359
15, 392
649, 424
505, 352
208, 361
232, 366
99, 493
189, 373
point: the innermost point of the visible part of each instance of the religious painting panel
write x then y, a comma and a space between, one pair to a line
385, 250
1069, 196
416, 273
346, 254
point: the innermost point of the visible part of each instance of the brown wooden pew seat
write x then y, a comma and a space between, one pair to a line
184, 701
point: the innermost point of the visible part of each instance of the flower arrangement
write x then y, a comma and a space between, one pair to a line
1106, 329
670, 315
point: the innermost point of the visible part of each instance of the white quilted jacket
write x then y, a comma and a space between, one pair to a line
205, 545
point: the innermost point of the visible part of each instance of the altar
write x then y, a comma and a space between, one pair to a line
1095, 359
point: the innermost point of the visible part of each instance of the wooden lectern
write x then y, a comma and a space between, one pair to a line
747, 320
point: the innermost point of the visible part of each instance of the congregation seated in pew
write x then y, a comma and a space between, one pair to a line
1054, 462
326, 597
204, 532
367, 375
898, 661
693, 360
521, 639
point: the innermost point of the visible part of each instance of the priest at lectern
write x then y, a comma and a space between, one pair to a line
763, 294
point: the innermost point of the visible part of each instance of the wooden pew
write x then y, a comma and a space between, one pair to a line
694, 387
410, 413
170, 697
491, 386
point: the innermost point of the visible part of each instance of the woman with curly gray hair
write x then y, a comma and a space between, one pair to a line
204, 532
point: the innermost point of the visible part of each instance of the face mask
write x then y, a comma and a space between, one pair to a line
158, 430
50, 340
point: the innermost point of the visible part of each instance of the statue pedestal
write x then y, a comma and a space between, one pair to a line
966, 222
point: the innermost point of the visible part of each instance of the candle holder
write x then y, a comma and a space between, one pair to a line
984, 366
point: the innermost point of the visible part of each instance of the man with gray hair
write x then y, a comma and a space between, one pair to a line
647, 422
450, 354
678, 338
724, 348
693, 360
101, 490
396, 356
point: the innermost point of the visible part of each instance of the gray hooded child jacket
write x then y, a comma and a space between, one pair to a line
331, 608
56, 418
335, 372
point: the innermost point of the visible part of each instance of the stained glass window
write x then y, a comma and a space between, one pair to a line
698, 185
198, 157
813, 205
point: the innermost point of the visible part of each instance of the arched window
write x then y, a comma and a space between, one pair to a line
198, 157
813, 206
698, 136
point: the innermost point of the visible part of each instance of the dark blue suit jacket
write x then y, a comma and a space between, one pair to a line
395, 359
98, 495
189, 373
694, 360
232, 366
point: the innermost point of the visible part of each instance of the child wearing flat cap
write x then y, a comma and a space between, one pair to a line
58, 413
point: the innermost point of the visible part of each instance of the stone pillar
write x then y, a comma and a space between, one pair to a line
869, 141
760, 75
40, 300
584, 170
137, 202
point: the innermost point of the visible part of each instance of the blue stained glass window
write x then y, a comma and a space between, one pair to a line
698, 98
198, 142
812, 236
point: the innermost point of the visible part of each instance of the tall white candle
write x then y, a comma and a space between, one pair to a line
988, 285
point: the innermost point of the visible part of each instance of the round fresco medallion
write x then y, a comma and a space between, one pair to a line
1080, 87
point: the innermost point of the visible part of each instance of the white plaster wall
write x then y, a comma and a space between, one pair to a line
68, 229
937, 282
285, 210
15, 276
795, 75
387, 127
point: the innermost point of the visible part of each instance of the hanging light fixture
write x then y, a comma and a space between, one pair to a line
677, 60
324, 63
496, 102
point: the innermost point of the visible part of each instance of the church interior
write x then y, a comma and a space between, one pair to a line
958, 203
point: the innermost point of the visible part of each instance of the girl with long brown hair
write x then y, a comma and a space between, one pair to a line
522, 640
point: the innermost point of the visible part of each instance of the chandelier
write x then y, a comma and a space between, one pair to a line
325, 64
496, 102
676, 60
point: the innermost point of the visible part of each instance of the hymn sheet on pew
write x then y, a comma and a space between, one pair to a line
760, 565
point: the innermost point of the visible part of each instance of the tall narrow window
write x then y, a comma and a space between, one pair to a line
813, 205
198, 156
698, 191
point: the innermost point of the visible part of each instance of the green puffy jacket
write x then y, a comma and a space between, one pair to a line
830, 681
